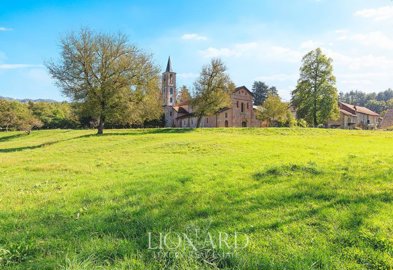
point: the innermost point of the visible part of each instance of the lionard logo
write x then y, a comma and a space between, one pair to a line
160, 241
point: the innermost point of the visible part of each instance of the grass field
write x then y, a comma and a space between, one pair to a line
307, 199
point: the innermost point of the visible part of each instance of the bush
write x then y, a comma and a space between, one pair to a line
302, 123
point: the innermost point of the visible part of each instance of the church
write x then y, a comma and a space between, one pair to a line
241, 112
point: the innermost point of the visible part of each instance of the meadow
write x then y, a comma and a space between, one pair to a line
306, 198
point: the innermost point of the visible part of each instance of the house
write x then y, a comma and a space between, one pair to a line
241, 112
387, 121
352, 116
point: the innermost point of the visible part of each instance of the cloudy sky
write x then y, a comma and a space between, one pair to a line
257, 39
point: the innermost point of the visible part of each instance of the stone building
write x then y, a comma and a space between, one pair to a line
241, 112
352, 116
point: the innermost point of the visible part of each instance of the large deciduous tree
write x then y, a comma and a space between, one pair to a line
212, 90
109, 79
316, 97
261, 91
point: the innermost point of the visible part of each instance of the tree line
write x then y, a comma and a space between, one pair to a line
112, 83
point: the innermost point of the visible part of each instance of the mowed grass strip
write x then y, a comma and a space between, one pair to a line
307, 198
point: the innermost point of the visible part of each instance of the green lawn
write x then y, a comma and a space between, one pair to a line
307, 199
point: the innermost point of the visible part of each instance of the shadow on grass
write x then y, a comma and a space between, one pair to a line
131, 133
125, 225
11, 137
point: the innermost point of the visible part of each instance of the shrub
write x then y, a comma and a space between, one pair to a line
302, 123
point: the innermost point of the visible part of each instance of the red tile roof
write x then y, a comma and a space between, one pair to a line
359, 109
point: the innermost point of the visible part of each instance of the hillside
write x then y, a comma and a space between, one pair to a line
307, 199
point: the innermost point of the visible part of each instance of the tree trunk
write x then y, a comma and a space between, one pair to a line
101, 124
199, 121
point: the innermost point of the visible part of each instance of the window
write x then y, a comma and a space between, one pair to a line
171, 79
226, 115
170, 100
170, 113
244, 124
207, 120
237, 104
171, 91
242, 107
247, 105
226, 123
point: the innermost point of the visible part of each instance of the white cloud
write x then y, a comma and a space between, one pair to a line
4, 29
18, 66
193, 36
377, 14
260, 50
372, 39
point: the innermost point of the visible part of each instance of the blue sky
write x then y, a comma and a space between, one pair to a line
257, 39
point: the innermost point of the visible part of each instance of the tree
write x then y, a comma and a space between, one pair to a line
212, 90
184, 95
16, 115
273, 110
261, 91
8, 116
106, 77
315, 97
54, 114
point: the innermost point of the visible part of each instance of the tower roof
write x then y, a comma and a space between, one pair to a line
169, 65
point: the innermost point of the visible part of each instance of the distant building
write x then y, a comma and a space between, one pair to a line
352, 116
387, 121
241, 112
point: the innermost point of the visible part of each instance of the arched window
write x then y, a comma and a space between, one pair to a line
171, 91
242, 107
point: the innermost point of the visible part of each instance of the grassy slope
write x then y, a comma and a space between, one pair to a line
309, 199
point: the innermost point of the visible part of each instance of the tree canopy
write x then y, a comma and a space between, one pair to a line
107, 78
315, 97
184, 95
15, 115
261, 91
212, 90
273, 110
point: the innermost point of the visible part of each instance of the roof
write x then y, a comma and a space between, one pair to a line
243, 88
186, 116
387, 120
347, 113
360, 109
169, 65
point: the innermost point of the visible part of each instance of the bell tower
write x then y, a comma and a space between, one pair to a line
169, 85
169, 94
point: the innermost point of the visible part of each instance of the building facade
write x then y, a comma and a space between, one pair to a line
241, 112
352, 116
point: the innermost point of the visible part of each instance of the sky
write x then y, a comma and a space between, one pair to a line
257, 39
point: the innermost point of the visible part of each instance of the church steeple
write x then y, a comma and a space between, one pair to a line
169, 85
169, 65
169, 94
